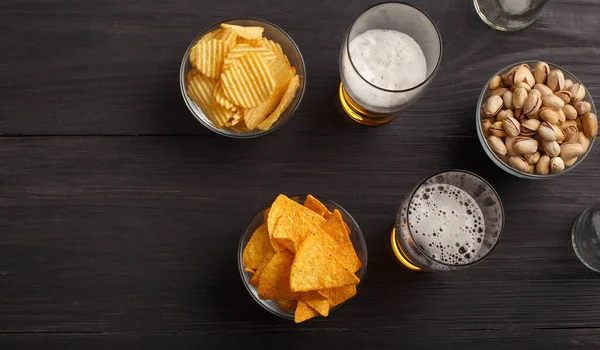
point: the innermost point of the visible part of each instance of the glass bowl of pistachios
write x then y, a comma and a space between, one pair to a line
536, 120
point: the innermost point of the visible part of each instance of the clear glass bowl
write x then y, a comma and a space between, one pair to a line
479, 117
355, 236
272, 32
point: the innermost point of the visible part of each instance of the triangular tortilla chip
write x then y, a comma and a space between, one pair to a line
257, 247
315, 205
320, 306
316, 266
275, 280
336, 229
287, 305
340, 294
255, 280
304, 312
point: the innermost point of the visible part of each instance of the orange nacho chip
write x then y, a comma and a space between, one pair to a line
255, 280
287, 305
304, 312
336, 229
316, 266
315, 205
339, 295
257, 248
320, 306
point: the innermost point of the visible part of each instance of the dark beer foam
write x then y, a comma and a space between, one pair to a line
446, 223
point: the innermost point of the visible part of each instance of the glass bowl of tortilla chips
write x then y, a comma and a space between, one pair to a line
302, 257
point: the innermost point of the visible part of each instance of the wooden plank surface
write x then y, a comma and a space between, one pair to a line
112, 240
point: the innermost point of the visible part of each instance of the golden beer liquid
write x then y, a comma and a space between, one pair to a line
400, 255
360, 114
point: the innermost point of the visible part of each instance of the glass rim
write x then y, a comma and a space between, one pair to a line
360, 238
420, 184
253, 133
433, 71
494, 157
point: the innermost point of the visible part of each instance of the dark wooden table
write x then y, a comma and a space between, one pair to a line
120, 215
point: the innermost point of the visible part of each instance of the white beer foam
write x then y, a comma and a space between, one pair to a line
388, 59
446, 223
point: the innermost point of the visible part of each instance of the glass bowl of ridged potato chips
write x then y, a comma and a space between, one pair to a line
242, 78
302, 257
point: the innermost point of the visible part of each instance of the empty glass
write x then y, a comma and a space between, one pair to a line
509, 15
384, 71
586, 237
449, 221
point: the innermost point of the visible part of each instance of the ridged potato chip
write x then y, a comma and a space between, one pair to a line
248, 81
209, 56
222, 99
200, 89
242, 49
273, 46
245, 32
287, 98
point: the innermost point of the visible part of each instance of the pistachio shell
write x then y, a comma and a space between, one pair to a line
518, 163
509, 77
525, 145
569, 163
533, 103
583, 141
519, 97
568, 84
582, 107
577, 92
557, 165
549, 115
568, 124
563, 95
561, 117
542, 167
556, 80
529, 127
497, 145
540, 72
546, 132
507, 97
485, 127
504, 114
543, 89
571, 134
496, 82
512, 126
570, 150
532, 158
492, 106
551, 148
497, 129
553, 102
498, 92
590, 125
510, 145
570, 112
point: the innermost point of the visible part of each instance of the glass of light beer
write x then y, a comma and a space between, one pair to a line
388, 59
449, 221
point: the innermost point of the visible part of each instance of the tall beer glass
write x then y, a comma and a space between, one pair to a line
450, 221
388, 59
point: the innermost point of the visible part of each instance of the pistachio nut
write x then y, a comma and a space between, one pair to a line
529, 127
523, 74
542, 167
553, 102
570, 150
531, 169
532, 158
535, 115
582, 107
560, 133
522, 84
510, 145
518, 114
564, 95
569, 163
590, 125
577, 92
557, 165
568, 84
497, 129
485, 127
519, 97
525, 145
496, 82
561, 117
492, 106
533, 102
579, 122
507, 97
504, 114
549, 115
498, 92
509, 77
512, 126
569, 123
497, 145
551, 148
540, 72
570, 112
571, 134
518, 163
543, 89
546, 132
556, 80
583, 141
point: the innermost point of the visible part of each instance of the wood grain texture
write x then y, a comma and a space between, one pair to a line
111, 240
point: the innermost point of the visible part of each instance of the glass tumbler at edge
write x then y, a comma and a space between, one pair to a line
509, 15
585, 237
